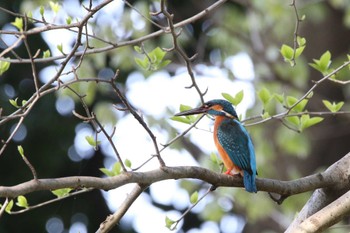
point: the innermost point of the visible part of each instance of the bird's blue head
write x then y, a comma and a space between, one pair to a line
217, 107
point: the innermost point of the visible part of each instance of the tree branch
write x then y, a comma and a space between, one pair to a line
335, 177
112, 220
327, 216
323, 197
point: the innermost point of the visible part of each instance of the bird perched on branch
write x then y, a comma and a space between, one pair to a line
231, 139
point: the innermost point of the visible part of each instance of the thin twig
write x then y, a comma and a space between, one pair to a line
295, 35
31, 167
210, 189
179, 50
142, 15
3, 206
119, 44
34, 72
114, 219
50, 201
11, 135
110, 140
138, 118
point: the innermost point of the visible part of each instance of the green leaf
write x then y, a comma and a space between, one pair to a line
138, 49
42, 10
234, 100
333, 107
143, 63
325, 60
4, 66
30, 15
185, 119
291, 101
279, 98
158, 54
9, 207
184, 107
309, 96
322, 65
18, 23
287, 52
294, 120
127, 163
169, 223
306, 121
313, 121
61, 192
299, 51
46, 53
55, 6
228, 97
265, 96
181, 119
300, 106
22, 202
107, 172
68, 20
338, 106
60, 48
20, 150
153, 61
91, 141
328, 105
194, 197
14, 103
163, 64
117, 168
266, 115
301, 41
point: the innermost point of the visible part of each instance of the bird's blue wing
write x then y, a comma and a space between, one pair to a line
235, 140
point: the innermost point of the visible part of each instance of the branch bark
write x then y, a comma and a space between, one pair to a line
336, 177
326, 201
113, 219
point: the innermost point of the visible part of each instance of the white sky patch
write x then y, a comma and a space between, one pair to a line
232, 224
160, 92
138, 21
241, 66
8, 38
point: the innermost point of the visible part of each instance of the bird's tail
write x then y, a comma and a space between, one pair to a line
249, 182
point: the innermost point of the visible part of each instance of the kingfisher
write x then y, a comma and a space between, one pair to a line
231, 139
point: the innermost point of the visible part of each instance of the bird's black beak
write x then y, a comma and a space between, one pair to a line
199, 110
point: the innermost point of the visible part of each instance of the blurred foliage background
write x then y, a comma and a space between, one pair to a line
257, 28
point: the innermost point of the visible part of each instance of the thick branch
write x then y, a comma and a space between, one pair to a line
331, 177
323, 197
327, 216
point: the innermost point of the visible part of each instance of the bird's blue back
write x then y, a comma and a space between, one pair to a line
235, 140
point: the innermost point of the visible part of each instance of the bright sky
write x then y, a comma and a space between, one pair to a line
153, 96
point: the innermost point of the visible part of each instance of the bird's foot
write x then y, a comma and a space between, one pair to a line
233, 172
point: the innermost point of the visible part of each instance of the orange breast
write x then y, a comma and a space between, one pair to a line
230, 166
